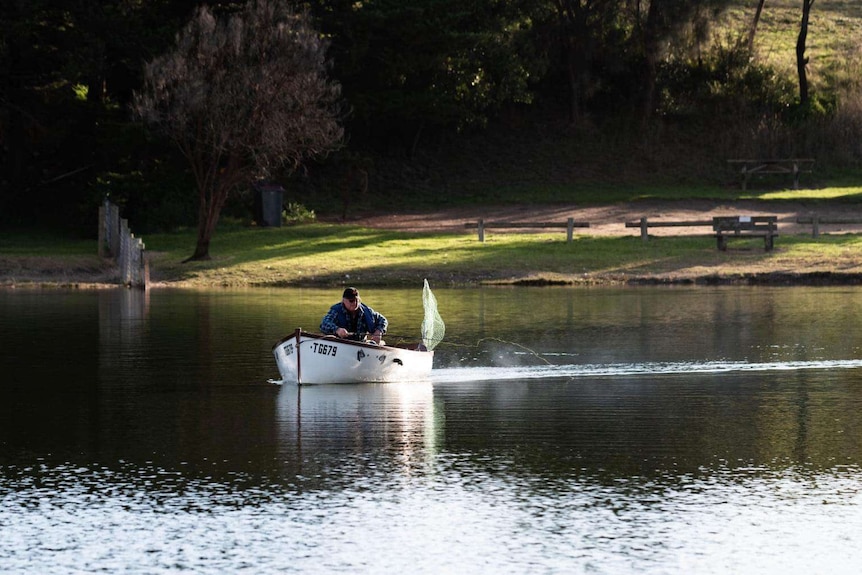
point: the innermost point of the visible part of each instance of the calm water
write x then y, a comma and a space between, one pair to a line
702, 430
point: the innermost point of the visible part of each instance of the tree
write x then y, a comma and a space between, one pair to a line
661, 24
583, 25
801, 59
753, 29
410, 67
242, 95
66, 66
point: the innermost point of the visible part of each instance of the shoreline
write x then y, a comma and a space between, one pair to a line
775, 279
785, 268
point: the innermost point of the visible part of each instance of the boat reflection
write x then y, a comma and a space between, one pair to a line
321, 426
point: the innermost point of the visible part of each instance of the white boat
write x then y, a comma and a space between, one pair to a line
306, 358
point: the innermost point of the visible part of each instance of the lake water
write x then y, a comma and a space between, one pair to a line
647, 430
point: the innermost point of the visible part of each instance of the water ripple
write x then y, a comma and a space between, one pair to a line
453, 517
463, 374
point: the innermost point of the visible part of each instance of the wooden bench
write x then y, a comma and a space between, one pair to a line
726, 227
644, 224
793, 166
570, 225
816, 221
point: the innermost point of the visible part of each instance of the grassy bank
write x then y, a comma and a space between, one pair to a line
324, 254
320, 254
327, 254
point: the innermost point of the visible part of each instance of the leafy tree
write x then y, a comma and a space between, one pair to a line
241, 95
607, 53
67, 68
661, 25
412, 66
584, 29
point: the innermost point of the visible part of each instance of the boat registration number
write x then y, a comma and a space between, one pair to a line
324, 349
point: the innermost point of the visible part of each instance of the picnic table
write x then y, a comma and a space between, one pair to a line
793, 166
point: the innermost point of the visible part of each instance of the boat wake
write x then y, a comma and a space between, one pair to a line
461, 374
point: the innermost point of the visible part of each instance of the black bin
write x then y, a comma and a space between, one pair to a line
268, 200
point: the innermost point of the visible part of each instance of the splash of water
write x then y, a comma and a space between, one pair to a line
460, 374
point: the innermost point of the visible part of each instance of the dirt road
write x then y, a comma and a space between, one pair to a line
610, 220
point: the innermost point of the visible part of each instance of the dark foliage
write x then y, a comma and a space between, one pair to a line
422, 78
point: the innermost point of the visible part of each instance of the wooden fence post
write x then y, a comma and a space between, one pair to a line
118, 242
570, 229
644, 230
114, 229
103, 232
482, 230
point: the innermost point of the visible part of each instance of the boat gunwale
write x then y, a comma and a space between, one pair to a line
402, 347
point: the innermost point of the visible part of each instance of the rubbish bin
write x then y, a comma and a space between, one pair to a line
268, 200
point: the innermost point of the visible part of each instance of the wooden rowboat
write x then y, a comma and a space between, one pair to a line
306, 358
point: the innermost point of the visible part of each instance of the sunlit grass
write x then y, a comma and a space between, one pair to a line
848, 193
841, 187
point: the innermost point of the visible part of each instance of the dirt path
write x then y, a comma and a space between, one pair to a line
610, 220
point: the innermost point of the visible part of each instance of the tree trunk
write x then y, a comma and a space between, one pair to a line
205, 231
209, 210
202, 247
575, 41
753, 30
215, 180
651, 48
801, 60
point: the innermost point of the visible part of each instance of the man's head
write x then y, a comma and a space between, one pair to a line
350, 298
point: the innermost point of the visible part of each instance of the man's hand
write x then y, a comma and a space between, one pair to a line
341, 332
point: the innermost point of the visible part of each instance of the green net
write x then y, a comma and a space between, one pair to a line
433, 327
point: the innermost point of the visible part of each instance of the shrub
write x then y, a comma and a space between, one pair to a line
296, 213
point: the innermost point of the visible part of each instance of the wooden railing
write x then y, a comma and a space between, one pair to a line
816, 221
570, 225
644, 224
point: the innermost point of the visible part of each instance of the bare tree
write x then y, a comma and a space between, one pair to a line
753, 30
801, 58
240, 96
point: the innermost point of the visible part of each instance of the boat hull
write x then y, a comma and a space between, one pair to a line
307, 358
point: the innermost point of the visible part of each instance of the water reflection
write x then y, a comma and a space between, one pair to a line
606, 431
321, 424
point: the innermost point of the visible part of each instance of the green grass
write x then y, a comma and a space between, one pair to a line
44, 243
327, 254
321, 254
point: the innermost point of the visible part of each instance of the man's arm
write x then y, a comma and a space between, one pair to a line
380, 322
328, 324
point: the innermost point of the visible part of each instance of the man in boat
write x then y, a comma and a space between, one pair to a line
352, 319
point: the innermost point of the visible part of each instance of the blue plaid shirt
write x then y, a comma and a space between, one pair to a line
367, 321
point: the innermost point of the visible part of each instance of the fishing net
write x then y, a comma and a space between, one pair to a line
433, 327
